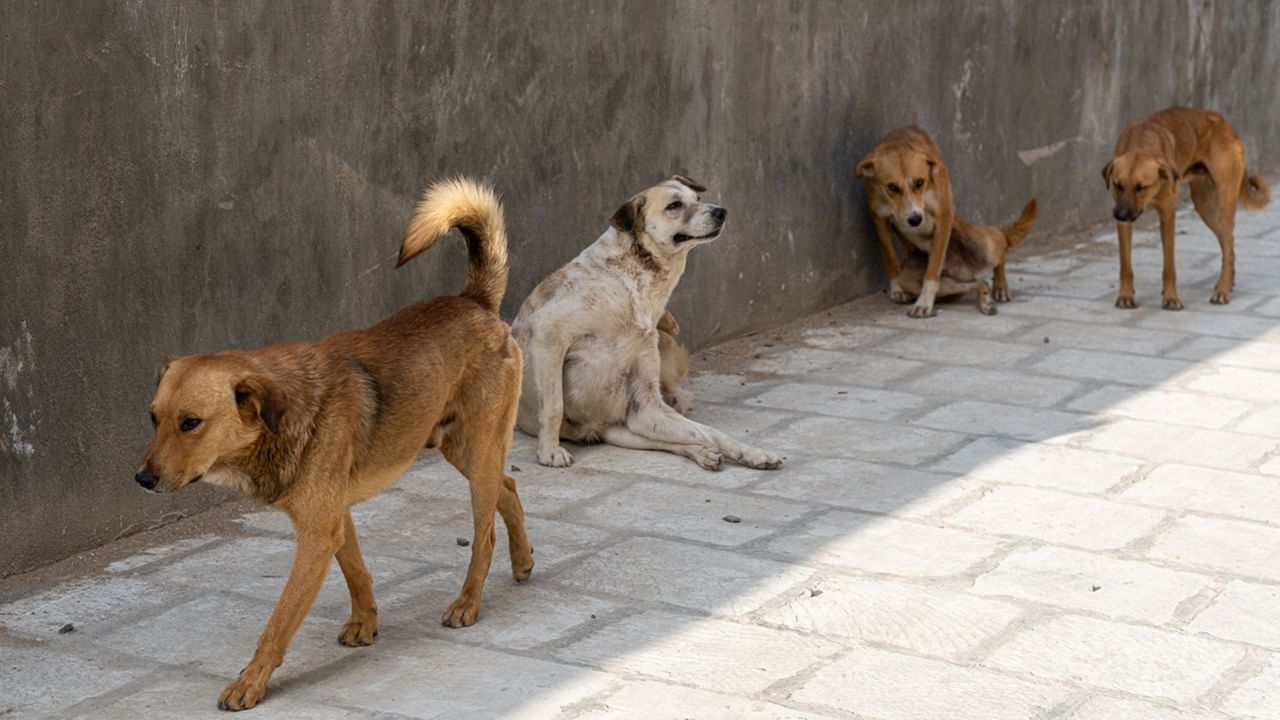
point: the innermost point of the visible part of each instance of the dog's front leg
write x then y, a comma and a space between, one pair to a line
891, 266
1169, 276
933, 271
318, 540
362, 628
548, 373
1125, 298
1000, 285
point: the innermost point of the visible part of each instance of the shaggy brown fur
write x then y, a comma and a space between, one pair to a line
312, 428
1151, 156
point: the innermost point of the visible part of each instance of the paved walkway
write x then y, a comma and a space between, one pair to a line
1064, 511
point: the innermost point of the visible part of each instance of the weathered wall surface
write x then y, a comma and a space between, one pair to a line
182, 177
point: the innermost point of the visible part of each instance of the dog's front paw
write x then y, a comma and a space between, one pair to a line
462, 612
920, 310
900, 296
245, 691
556, 457
360, 631
1126, 302
1171, 303
1001, 294
1220, 297
708, 458
761, 459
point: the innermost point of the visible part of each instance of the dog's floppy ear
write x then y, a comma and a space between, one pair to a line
865, 168
1167, 172
689, 183
629, 215
1106, 174
258, 396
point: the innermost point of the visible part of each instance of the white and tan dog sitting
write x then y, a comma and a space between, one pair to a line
590, 337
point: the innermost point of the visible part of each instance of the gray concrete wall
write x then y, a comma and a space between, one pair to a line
182, 177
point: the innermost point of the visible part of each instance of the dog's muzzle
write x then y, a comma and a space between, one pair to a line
914, 219
1126, 214
147, 478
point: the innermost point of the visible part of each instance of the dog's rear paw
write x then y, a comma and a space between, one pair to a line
708, 458
245, 691
1126, 302
359, 632
523, 568
900, 297
461, 613
761, 460
988, 308
1171, 303
557, 457
1001, 295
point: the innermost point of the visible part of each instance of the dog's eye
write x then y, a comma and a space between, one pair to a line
189, 424
1119, 187
919, 183
893, 188
675, 205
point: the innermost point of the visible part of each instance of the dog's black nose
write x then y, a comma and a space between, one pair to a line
914, 219
719, 213
1124, 215
146, 478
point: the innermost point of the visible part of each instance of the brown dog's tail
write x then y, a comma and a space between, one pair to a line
474, 209
1016, 231
1255, 192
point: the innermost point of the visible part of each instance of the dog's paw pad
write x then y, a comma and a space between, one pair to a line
558, 457
461, 613
359, 633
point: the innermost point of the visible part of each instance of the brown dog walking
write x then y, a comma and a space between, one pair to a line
1151, 156
312, 428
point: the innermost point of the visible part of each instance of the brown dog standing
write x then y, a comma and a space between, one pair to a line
1151, 156
312, 428
909, 191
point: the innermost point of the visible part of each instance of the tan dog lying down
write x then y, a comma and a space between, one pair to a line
589, 333
1151, 156
909, 192
313, 428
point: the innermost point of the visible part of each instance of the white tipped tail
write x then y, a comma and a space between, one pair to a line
473, 208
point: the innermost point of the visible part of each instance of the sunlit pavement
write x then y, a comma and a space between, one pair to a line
1063, 511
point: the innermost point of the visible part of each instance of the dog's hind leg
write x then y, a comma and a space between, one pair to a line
362, 628
1000, 285
1217, 207
517, 537
480, 459
707, 457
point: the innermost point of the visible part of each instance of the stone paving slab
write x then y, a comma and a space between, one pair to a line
1062, 512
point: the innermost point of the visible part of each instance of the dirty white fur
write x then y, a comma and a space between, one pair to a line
590, 340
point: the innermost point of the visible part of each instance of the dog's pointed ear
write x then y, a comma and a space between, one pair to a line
690, 183
261, 397
164, 368
629, 215
866, 167
1106, 174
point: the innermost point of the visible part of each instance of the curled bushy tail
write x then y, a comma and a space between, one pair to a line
474, 209
1017, 230
1255, 192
